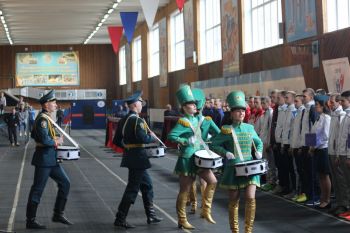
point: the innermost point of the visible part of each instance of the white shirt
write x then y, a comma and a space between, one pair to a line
290, 114
265, 126
343, 134
280, 120
296, 130
336, 117
3, 101
321, 129
306, 123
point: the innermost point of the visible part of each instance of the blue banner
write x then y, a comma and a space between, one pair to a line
47, 69
129, 20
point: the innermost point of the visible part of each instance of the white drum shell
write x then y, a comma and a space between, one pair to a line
68, 153
155, 152
203, 160
251, 168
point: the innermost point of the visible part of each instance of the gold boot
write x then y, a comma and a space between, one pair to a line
202, 194
208, 200
233, 215
193, 197
250, 207
181, 211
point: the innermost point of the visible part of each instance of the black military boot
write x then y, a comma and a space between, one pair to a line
58, 215
120, 217
31, 223
150, 212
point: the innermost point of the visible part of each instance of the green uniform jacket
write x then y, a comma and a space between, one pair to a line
223, 142
208, 126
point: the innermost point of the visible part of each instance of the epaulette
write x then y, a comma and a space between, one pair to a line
226, 130
208, 118
183, 122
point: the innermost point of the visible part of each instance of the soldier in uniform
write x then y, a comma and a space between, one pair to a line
224, 144
46, 165
208, 126
132, 135
187, 134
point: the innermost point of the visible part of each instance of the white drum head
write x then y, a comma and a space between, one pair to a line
205, 155
67, 148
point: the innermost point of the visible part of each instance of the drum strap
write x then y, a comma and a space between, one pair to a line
236, 143
200, 139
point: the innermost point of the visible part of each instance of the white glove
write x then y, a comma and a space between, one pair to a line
230, 156
191, 140
258, 154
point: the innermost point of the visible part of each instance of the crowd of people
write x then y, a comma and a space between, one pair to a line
306, 141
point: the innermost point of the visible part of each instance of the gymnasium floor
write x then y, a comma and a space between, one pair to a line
97, 185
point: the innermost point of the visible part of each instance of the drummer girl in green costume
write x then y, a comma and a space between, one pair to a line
207, 126
224, 144
185, 167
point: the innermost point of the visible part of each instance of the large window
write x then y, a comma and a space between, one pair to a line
337, 15
122, 66
153, 52
177, 41
136, 60
210, 31
260, 24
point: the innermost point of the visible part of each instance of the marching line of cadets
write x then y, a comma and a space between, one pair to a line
304, 137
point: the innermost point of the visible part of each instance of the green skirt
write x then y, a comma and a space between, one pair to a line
186, 167
229, 179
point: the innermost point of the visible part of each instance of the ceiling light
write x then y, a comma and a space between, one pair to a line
2, 17
105, 17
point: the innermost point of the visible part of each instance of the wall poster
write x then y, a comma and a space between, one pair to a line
337, 72
163, 56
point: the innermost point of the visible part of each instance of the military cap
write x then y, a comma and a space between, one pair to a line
184, 95
50, 96
236, 99
199, 97
321, 98
133, 98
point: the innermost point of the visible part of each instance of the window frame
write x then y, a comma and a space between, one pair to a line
122, 66
153, 54
137, 61
175, 46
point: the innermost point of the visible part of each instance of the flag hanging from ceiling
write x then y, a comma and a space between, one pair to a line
115, 33
149, 8
180, 4
129, 20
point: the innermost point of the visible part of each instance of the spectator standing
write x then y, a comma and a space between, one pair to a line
23, 119
208, 109
31, 118
12, 122
59, 116
218, 113
2, 102
169, 111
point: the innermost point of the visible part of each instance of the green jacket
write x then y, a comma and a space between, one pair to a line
208, 126
223, 142
182, 134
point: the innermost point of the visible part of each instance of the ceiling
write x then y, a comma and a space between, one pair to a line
38, 22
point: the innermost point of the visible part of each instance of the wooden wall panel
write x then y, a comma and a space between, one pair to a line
97, 64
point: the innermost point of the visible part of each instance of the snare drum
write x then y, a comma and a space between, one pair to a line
68, 153
155, 151
251, 168
203, 159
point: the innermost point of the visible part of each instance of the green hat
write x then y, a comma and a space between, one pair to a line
184, 95
50, 96
199, 97
236, 99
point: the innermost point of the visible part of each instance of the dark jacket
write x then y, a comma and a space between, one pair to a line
135, 133
12, 120
45, 154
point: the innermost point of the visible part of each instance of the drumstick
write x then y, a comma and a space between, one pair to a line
65, 128
155, 135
